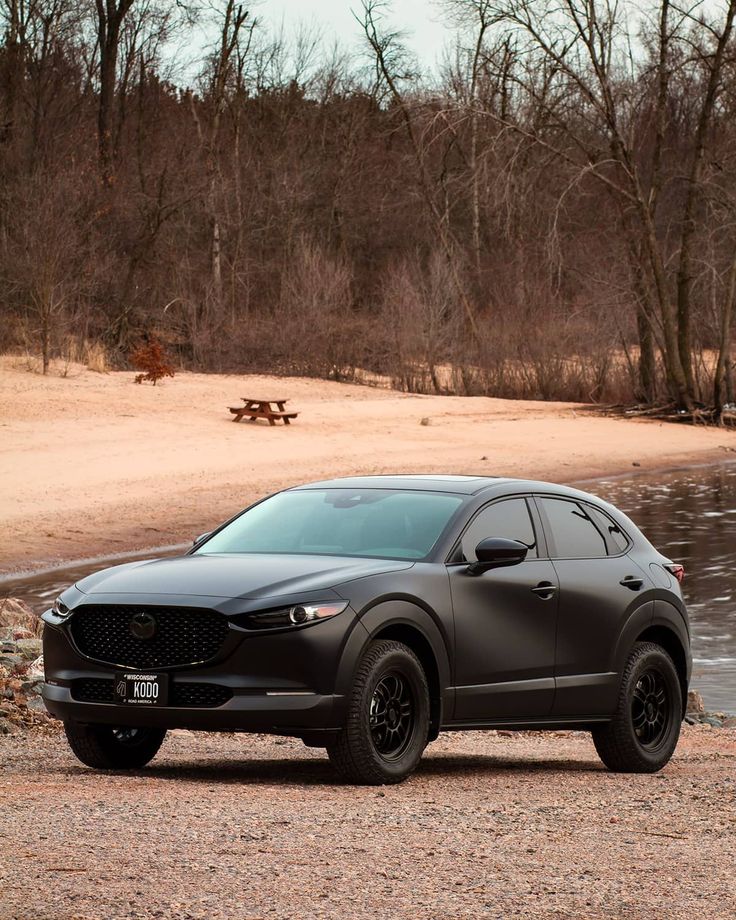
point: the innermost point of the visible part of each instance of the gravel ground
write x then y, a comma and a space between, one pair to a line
246, 827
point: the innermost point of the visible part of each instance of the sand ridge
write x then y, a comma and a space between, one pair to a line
92, 464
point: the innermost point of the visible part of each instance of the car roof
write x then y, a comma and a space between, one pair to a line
435, 482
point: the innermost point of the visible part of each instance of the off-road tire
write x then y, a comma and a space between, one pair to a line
99, 746
354, 752
619, 746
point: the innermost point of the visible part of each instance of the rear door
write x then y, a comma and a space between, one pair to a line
600, 585
505, 621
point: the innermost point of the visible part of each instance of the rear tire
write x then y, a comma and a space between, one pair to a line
105, 747
388, 717
644, 731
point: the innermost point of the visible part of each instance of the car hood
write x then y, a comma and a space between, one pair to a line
235, 575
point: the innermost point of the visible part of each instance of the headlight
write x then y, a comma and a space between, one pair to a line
297, 615
60, 609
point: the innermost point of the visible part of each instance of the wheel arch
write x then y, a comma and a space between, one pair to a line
411, 625
667, 638
414, 639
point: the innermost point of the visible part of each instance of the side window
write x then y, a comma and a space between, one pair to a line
508, 518
616, 539
575, 534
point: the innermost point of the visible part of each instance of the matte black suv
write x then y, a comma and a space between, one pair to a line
366, 615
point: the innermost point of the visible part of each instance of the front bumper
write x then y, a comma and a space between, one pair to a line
293, 682
286, 714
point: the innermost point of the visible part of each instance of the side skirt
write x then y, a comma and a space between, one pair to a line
581, 723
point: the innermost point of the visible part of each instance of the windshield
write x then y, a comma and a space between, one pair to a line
340, 522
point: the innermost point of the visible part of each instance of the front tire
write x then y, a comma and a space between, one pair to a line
105, 747
644, 731
388, 717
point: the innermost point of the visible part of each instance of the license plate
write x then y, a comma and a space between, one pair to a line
142, 689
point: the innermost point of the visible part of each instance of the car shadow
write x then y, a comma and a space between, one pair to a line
318, 771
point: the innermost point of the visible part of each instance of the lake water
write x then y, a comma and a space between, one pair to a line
689, 515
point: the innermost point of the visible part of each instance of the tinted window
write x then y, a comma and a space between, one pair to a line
340, 522
509, 518
574, 532
616, 539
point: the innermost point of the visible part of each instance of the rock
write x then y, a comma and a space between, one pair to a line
15, 612
36, 671
711, 720
7, 728
730, 722
36, 704
425, 421
30, 649
4, 672
695, 702
20, 632
11, 662
636, 463
691, 720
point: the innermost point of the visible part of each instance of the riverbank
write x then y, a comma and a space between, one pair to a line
92, 465
491, 825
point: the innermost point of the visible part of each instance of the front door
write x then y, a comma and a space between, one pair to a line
505, 623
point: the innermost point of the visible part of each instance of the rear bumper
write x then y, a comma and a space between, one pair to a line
280, 713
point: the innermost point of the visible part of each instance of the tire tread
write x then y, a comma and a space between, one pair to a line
615, 742
349, 753
88, 745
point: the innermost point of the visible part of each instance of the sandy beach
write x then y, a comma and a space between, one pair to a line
91, 464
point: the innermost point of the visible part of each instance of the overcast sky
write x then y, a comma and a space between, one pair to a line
426, 35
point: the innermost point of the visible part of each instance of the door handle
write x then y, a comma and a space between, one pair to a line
545, 590
632, 581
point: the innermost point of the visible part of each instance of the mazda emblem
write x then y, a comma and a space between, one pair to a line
143, 626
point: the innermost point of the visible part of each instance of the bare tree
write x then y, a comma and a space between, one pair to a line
110, 16
389, 59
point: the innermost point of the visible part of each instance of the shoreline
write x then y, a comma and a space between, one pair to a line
9, 577
94, 467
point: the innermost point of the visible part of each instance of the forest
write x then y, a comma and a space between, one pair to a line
548, 213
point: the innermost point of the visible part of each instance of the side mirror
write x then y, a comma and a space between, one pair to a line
202, 536
496, 553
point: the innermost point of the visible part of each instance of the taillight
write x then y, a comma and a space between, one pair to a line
677, 570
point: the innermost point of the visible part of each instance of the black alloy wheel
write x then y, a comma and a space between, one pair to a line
650, 709
643, 733
391, 716
388, 717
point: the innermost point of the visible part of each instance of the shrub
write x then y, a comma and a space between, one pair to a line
151, 358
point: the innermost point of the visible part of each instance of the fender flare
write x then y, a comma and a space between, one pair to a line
400, 613
639, 620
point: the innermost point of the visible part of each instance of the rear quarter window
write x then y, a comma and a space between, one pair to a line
616, 540
575, 534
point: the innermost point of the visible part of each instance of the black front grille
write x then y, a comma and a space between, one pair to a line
208, 695
93, 690
181, 635
100, 690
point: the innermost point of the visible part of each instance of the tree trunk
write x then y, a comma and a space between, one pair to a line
45, 341
685, 271
720, 377
110, 15
647, 365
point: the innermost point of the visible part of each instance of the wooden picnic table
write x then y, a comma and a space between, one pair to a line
263, 408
